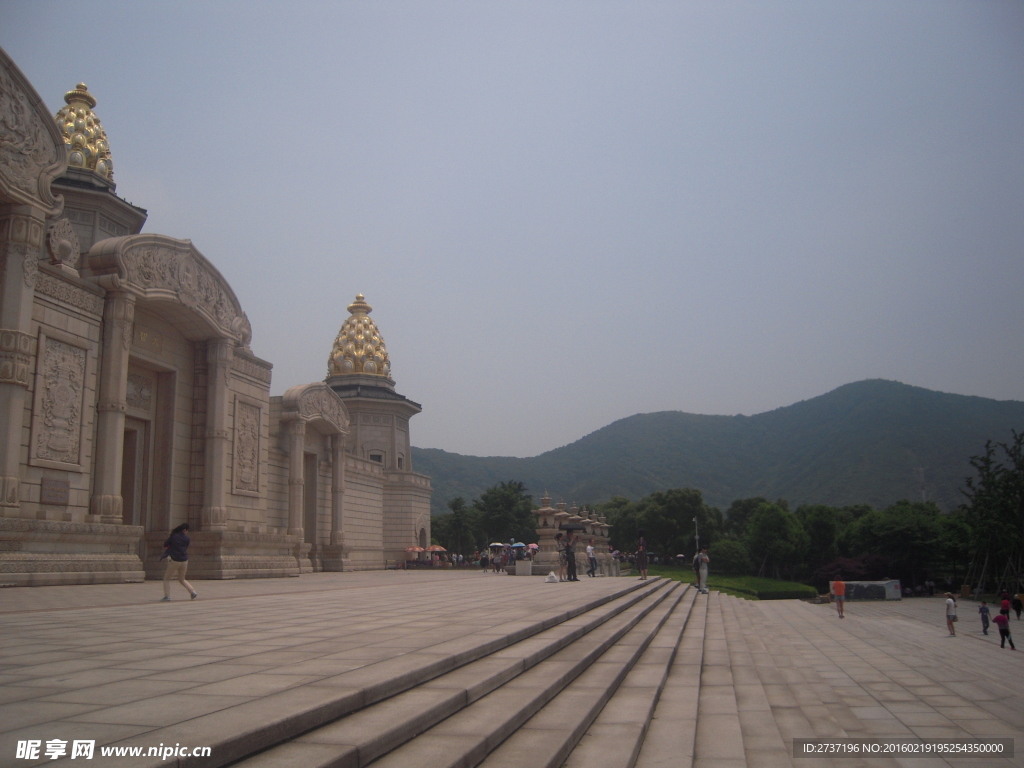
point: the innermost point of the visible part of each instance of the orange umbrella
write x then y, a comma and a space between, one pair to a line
414, 549
436, 548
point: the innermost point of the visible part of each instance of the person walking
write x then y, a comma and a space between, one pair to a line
592, 559
1003, 622
951, 613
1018, 605
570, 557
641, 555
176, 552
560, 549
983, 610
838, 589
1004, 604
700, 565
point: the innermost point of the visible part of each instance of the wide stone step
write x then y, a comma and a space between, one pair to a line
364, 735
670, 736
763, 744
551, 734
616, 735
719, 739
467, 737
242, 730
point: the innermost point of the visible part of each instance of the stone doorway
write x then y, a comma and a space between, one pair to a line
136, 472
311, 473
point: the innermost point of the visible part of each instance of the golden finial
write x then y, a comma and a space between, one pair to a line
85, 137
359, 347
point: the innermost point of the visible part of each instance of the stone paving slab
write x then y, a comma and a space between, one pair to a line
247, 653
112, 663
891, 669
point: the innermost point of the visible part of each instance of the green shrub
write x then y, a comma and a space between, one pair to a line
729, 556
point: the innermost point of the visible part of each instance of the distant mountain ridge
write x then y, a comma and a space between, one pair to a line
871, 442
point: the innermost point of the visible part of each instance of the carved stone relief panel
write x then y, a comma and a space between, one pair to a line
140, 391
60, 391
248, 419
321, 401
27, 148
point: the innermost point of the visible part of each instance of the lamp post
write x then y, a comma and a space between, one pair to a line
696, 533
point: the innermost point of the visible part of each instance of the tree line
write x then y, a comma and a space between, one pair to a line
501, 513
910, 540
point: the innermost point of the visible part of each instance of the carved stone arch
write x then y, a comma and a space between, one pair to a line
161, 269
32, 151
318, 405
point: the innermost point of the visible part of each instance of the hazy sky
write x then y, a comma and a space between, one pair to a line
567, 213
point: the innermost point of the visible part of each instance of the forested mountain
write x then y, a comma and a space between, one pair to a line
871, 442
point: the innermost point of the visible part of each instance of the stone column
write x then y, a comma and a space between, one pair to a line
118, 318
21, 239
296, 448
337, 489
218, 370
334, 553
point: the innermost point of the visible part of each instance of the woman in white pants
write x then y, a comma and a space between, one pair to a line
177, 561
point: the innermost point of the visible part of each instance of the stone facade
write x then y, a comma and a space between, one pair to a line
131, 401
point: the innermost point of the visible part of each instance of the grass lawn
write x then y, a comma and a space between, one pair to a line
748, 587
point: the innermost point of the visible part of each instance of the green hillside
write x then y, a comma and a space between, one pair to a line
862, 443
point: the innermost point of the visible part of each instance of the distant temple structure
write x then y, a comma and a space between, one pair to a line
131, 401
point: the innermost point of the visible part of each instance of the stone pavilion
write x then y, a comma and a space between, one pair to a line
131, 400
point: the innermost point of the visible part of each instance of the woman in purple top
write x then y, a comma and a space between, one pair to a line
176, 553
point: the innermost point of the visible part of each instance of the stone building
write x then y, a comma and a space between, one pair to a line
131, 401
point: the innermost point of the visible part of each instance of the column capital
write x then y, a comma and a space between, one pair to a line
219, 351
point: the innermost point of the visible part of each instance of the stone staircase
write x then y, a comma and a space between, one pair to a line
655, 676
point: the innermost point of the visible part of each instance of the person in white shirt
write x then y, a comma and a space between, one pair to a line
951, 613
592, 558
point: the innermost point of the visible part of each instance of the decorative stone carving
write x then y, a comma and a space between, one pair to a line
251, 368
159, 267
196, 287
247, 447
69, 294
15, 357
325, 404
10, 488
62, 378
316, 402
31, 150
30, 270
139, 393
62, 244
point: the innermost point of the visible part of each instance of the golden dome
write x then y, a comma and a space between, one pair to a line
85, 137
359, 348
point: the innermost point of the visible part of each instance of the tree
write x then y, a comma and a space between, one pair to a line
622, 516
822, 525
457, 530
776, 541
505, 511
739, 514
995, 512
729, 556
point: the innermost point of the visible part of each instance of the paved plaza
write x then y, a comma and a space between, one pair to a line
250, 663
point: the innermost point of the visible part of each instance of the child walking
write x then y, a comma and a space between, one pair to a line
983, 610
1003, 622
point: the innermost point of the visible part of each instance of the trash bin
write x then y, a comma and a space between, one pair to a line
965, 590
524, 567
